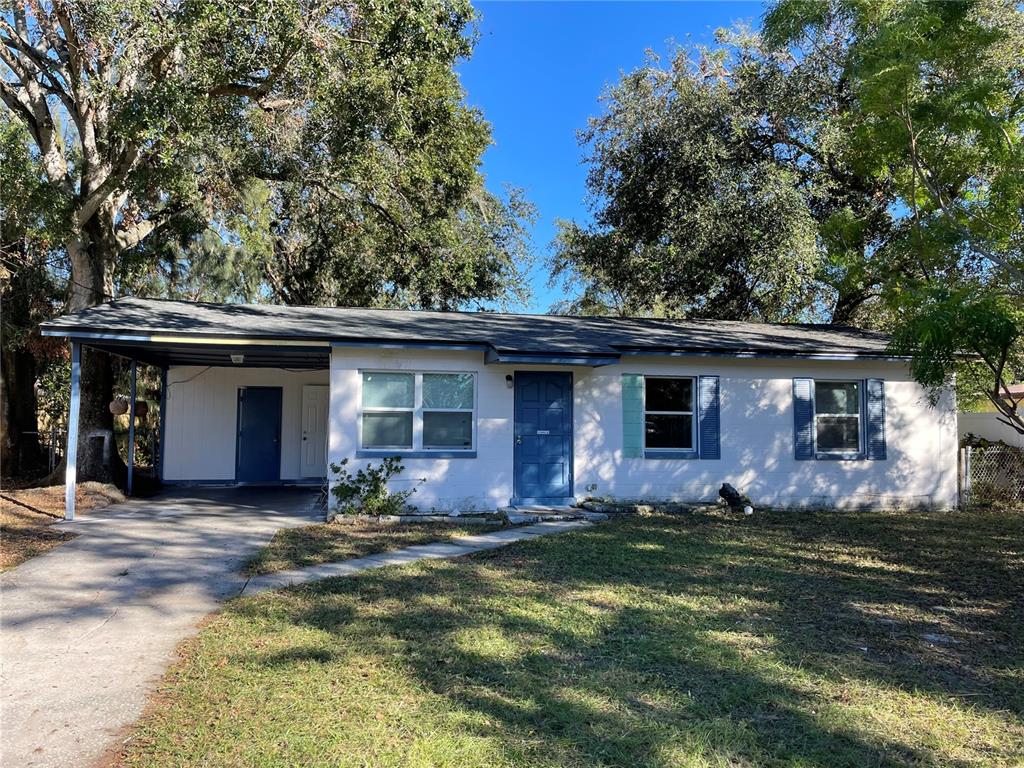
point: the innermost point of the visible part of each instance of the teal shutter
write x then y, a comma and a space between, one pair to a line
707, 417
803, 418
632, 416
875, 442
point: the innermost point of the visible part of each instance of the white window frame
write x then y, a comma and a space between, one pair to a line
388, 409
860, 415
692, 413
417, 413
425, 410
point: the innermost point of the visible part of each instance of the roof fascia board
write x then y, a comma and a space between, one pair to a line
747, 355
225, 341
456, 347
493, 357
95, 336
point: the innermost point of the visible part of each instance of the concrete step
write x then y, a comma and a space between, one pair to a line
535, 514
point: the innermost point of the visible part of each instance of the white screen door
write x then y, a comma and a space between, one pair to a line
314, 430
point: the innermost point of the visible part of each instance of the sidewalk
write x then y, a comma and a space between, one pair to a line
462, 545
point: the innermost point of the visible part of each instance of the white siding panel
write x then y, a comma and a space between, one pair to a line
202, 412
989, 427
756, 436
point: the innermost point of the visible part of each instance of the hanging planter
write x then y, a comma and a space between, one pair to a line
119, 406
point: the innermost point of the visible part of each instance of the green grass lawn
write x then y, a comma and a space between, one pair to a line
783, 639
331, 542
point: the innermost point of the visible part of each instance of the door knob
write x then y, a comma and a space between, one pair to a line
519, 440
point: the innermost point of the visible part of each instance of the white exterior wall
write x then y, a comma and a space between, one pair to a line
202, 419
988, 426
756, 436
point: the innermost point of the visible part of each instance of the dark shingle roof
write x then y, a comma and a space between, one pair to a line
506, 333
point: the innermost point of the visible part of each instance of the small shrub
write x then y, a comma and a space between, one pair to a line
366, 492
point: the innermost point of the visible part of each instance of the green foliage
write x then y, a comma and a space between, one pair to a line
30, 291
938, 114
859, 163
719, 190
295, 151
690, 217
366, 492
969, 329
53, 387
366, 191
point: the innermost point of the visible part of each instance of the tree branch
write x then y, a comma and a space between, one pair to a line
10, 98
49, 68
117, 174
946, 210
135, 234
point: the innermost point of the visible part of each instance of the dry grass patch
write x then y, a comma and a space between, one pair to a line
332, 542
27, 517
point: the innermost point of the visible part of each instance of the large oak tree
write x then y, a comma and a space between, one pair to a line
323, 144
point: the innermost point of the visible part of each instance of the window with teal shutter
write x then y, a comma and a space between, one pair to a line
632, 416
670, 417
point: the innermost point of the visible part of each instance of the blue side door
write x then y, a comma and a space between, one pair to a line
543, 438
259, 435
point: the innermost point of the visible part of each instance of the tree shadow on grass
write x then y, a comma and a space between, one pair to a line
661, 640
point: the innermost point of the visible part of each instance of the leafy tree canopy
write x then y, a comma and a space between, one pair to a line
719, 189
293, 150
858, 162
938, 113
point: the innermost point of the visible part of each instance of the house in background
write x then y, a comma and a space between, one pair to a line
493, 409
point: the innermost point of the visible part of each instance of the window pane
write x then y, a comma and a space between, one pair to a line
388, 390
447, 430
669, 394
448, 390
669, 431
387, 430
839, 433
837, 396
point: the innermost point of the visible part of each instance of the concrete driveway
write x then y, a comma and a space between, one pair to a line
87, 629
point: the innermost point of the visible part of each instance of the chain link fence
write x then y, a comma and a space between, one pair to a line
991, 474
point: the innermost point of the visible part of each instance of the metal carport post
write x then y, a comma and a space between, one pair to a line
71, 457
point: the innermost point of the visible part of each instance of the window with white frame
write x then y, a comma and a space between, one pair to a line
837, 417
448, 410
668, 413
418, 411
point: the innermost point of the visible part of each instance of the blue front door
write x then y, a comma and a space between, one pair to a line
543, 438
259, 435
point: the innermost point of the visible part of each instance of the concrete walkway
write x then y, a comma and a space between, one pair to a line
87, 629
455, 547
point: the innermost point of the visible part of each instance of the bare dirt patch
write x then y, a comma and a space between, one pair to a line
27, 517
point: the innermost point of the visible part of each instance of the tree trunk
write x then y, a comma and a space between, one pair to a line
92, 257
847, 305
20, 454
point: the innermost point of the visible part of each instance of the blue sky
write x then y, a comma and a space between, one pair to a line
536, 74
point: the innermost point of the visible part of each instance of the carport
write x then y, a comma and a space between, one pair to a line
172, 338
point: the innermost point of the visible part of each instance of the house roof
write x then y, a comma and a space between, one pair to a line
506, 337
